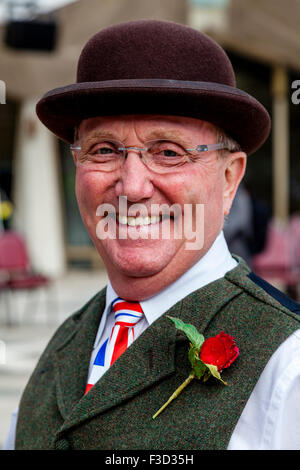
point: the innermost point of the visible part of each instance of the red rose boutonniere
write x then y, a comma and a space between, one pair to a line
219, 350
207, 357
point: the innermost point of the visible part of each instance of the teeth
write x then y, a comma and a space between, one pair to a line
155, 219
131, 221
146, 220
122, 219
134, 221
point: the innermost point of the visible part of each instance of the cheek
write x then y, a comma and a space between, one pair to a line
89, 188
200, 187
182, 188
214, 198
208, 191
200, 182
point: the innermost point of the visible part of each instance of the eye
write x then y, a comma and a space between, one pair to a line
169, 153
167, 149
104, 149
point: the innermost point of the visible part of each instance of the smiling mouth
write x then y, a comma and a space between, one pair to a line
139, 220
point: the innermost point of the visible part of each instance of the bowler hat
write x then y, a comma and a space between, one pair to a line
155, 67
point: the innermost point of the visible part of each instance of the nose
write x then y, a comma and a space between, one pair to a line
135, 181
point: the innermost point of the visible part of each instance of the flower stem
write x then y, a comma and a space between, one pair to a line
175, 394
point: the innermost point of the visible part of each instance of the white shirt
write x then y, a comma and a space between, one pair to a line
271, 417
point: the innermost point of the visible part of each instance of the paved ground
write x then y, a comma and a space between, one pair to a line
34, 318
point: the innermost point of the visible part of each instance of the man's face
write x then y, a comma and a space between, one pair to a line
140, 266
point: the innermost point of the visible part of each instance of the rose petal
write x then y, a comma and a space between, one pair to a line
219, 350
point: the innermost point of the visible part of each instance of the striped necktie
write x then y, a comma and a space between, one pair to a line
126, 316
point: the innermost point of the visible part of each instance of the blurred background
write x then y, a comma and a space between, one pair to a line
48, 266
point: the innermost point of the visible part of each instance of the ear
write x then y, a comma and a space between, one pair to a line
235, 167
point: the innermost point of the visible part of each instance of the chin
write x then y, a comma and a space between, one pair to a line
138, 261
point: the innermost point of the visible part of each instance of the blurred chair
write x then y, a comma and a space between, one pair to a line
15, 264
295, 234
280, 259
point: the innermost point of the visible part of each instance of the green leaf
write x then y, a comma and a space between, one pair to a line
192, 355
199, 369
190, 330
214, 371
198, 366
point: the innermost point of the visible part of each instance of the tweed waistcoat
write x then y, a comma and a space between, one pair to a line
117, 412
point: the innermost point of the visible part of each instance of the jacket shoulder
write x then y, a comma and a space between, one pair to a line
70, 326
262, 291
275, 293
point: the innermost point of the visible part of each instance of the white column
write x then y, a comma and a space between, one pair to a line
38, 212
280, 138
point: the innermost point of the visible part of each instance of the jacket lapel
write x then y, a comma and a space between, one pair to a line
149, 359
72, 358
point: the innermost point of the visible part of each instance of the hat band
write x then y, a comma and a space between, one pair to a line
150, 83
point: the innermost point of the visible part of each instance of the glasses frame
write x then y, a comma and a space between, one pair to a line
122, 148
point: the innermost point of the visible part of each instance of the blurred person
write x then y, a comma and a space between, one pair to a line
245, 227
238, 227
155, 122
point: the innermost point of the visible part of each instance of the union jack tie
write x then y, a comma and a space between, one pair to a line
126, 316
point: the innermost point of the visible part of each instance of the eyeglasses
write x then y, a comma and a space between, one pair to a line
160, 156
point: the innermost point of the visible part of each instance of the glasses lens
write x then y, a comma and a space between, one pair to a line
103, 155
163, 155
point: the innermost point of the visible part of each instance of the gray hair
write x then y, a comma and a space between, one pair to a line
230, 144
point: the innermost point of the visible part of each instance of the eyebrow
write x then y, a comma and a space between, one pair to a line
156, 134
92, 137
103, 134
171, 134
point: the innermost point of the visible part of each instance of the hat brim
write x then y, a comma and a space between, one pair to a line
240, 115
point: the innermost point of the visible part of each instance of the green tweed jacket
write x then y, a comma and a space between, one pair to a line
117, 412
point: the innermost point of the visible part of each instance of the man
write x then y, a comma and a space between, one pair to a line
159, 135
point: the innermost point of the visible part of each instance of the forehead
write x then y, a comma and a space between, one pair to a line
146, 126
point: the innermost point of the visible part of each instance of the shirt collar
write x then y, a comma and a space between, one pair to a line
214, 265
